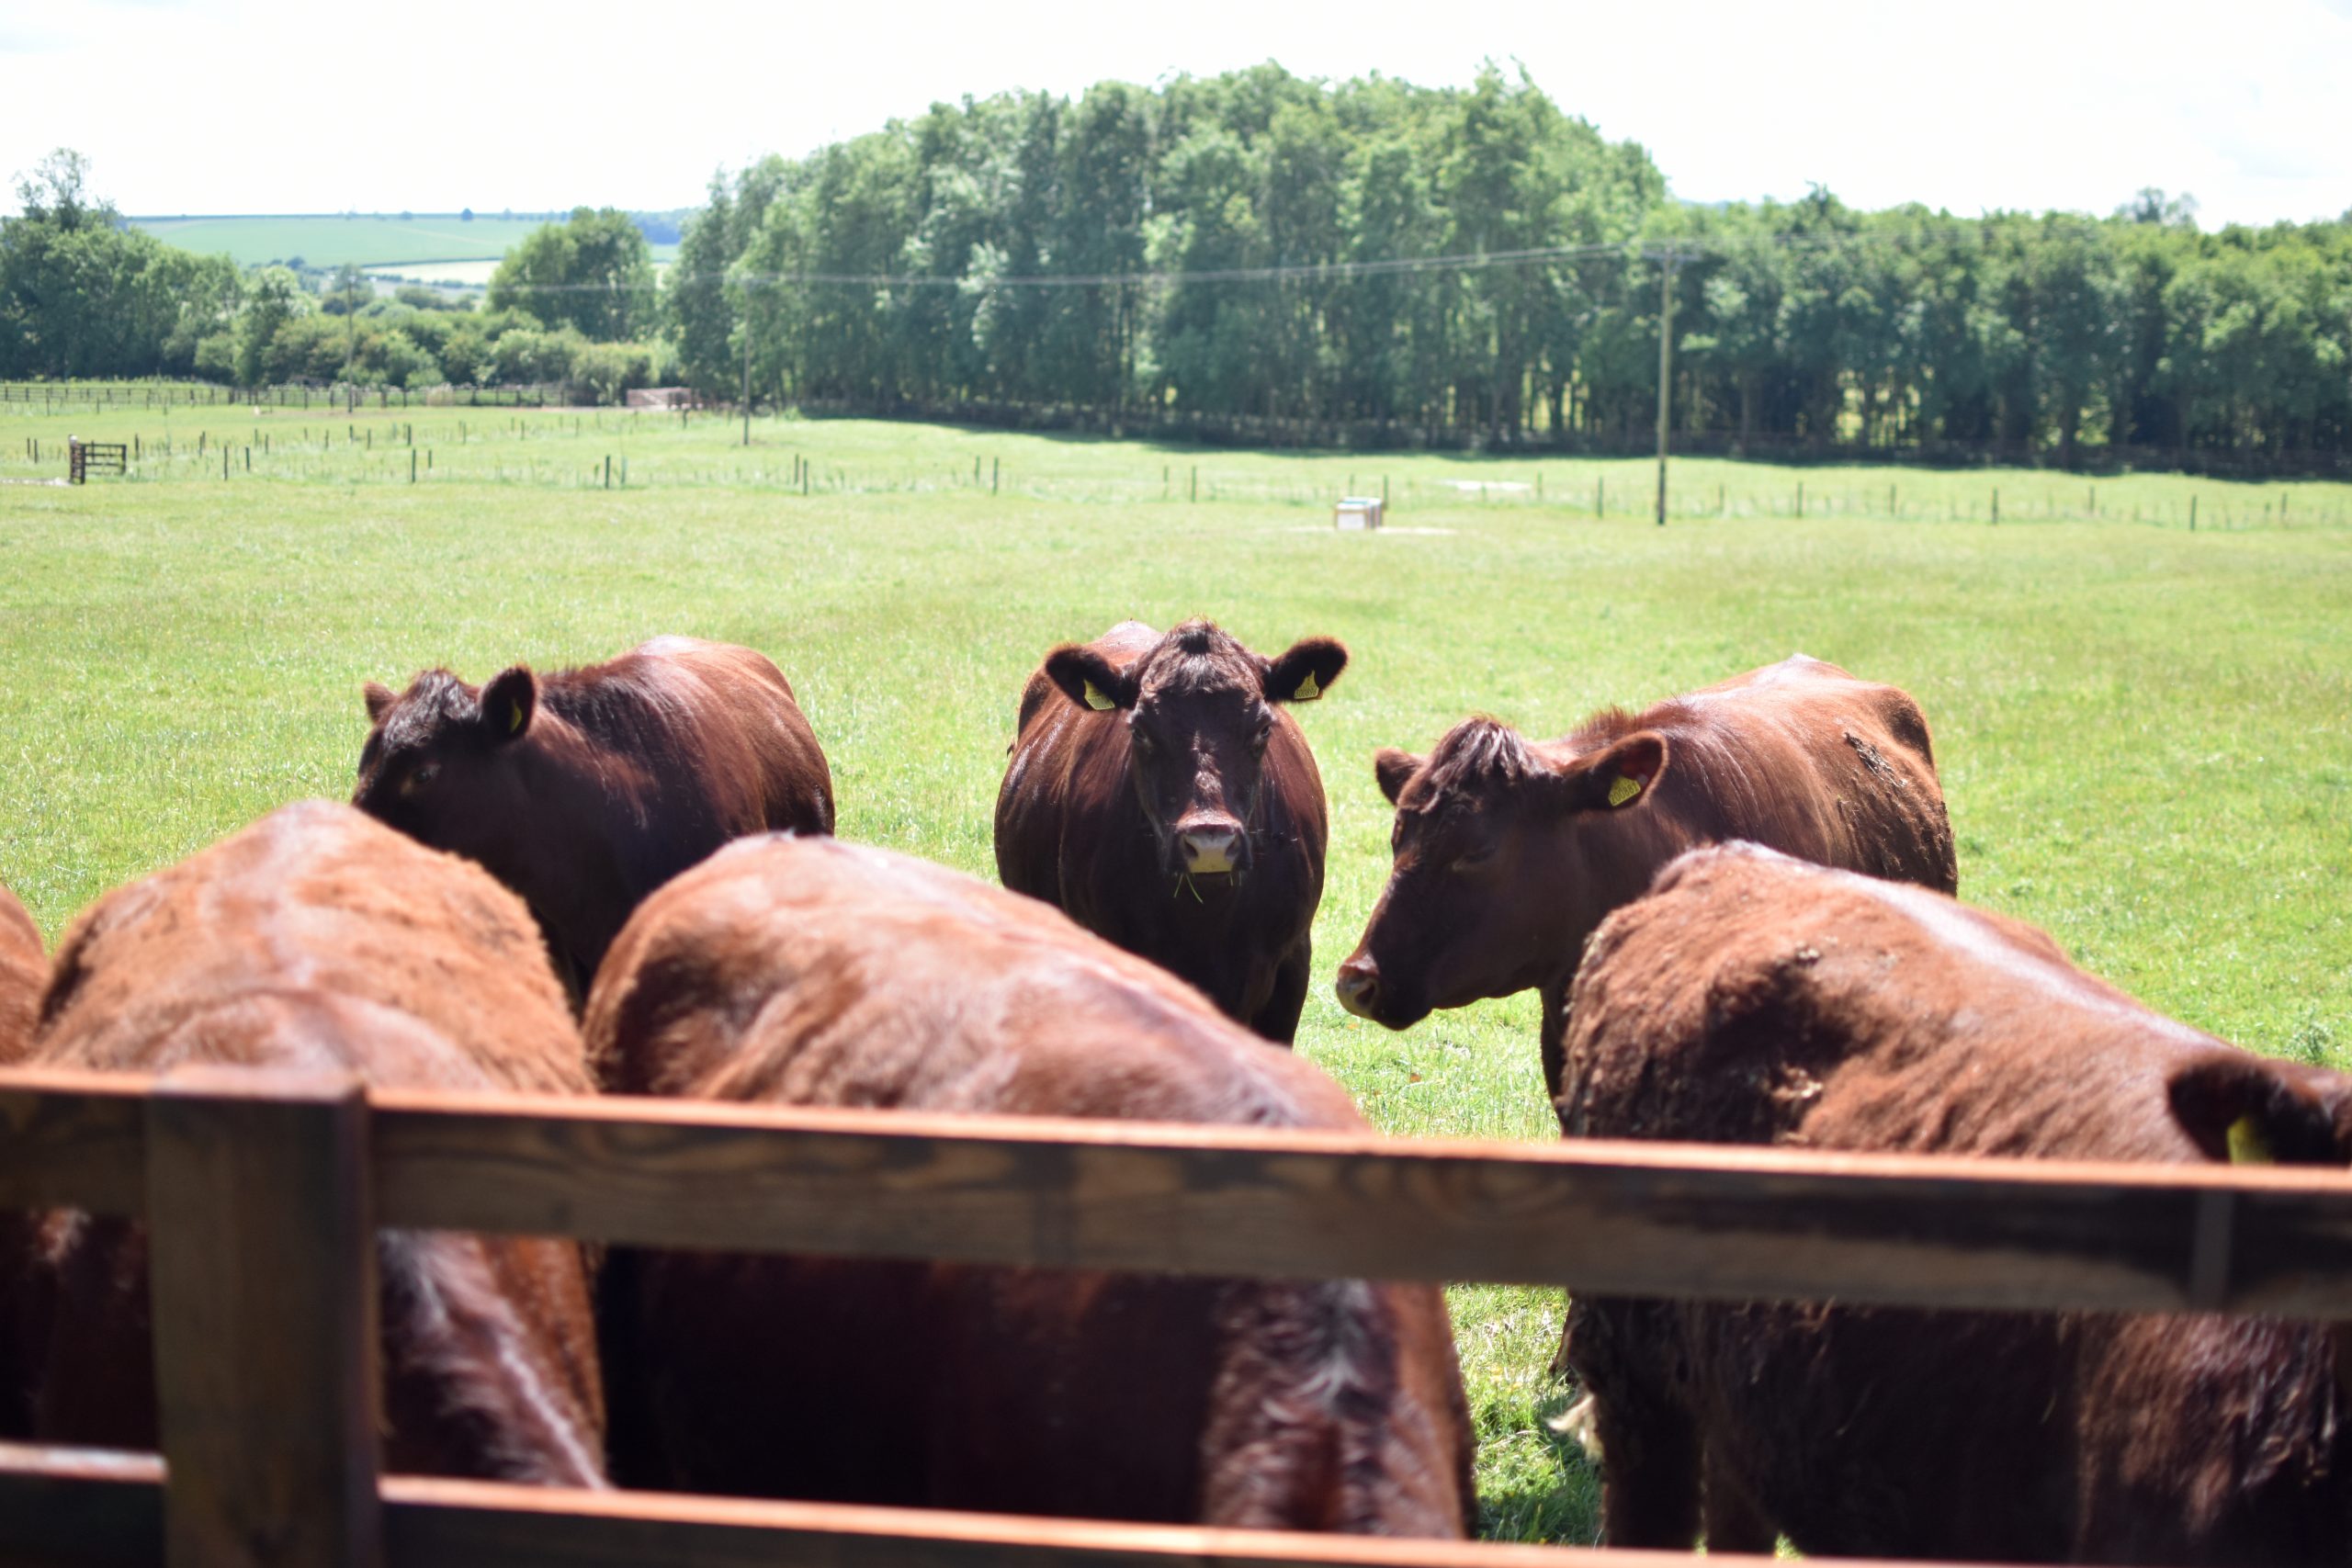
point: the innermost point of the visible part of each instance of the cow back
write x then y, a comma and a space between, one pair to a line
318, 940
809, 973
24, 971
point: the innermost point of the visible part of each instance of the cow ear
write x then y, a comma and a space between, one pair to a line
1620, 776
378, 698
1306, 671
1090, 680
507, 704
2244, 1109
1395, 769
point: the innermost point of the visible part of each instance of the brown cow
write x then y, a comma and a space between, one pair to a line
23, 970
1757, 1000
1160, 797
1508, 853
585, 790
790, 971
318, 939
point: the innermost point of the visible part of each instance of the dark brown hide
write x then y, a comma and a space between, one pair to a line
319, 939
807, 972
1509, 851
1160, 796
585, 790
1756, 999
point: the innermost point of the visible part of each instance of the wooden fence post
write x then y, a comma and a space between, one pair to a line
263, 1260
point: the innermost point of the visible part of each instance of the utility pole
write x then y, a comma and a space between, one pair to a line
747, 380
1665, 371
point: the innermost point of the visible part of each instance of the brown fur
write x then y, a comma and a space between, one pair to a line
585, 790
808, 972
1509, 851
23, 970
317, 939
1756, 999
1107, 814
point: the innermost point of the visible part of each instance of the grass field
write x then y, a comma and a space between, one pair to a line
365, 240
2145, 733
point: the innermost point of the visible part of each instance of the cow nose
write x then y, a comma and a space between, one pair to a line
1359, 987
1210, 851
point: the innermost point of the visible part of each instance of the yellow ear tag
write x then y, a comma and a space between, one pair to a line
1624, 790
1096, 700
1308, 690
513, 717
2248, 1145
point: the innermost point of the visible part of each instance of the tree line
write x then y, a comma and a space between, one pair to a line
1797, 325
83, 297
1261, 248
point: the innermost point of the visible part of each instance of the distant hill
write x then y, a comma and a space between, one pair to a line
377, 241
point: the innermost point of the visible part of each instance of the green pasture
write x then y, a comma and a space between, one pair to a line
2144, 733
367, 240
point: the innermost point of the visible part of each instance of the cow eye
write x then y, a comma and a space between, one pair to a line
419, 776
1264, 733
1472, 859
1144, 747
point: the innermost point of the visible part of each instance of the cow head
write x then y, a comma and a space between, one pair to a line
442, 763
1507, 856
1198, 712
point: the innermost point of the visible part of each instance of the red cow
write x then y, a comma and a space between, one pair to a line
585, 790
1756, 999
1509, 851
318, 939
1160, 796
788, 971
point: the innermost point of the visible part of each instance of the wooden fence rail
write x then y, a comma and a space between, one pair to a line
266, 1350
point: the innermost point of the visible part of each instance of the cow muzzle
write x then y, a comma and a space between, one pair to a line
1211, 850
1359, 987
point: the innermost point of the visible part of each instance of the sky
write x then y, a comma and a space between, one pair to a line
235, 106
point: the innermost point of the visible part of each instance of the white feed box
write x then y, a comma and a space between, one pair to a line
1359, 512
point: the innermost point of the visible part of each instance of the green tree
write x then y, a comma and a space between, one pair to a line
594, 273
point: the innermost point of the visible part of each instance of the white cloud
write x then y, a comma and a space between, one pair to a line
235, 106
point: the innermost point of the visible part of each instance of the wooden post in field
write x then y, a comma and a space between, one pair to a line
1892, 510
1665, 370
747, 384
2192, 515
1996, 505
1600, 497
1196, 481
608, 470
263, 1260
995, 464
1800, 497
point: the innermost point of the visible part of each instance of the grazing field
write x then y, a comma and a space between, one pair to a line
2145, 733
366, 240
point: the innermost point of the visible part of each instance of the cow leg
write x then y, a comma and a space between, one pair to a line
1278, 1020
1552, 1040
1649, 1439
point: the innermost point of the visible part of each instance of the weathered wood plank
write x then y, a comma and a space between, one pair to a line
1637, 1219
455, 1524
74, 1140
80, 1508
263, 1265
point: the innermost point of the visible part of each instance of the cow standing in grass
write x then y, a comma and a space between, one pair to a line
1509, 851
1756, 999
1160, 794
805, 972
585, 790
318, 940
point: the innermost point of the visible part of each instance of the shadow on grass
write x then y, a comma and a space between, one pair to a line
1535, 1485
